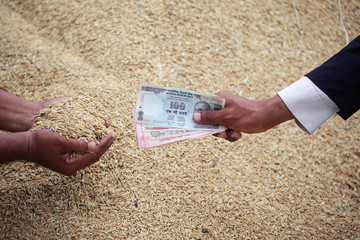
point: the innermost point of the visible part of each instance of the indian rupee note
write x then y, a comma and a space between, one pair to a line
154, 138
174, 108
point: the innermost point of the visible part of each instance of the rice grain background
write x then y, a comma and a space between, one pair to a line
280, 184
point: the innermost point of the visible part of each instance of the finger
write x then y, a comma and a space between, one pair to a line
108, 124
105, 143
208, 117
91, 146
90, 158
51, 101
72, 145
223, 94
233, 135
221, 135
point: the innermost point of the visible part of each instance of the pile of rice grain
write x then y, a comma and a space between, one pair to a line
80, 117
282, 184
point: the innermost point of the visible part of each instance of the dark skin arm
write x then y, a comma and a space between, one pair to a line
44, 147
17, 113
244, 115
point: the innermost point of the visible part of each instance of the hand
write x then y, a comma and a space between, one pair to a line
48, 102
244, 115
53, 151
17, 114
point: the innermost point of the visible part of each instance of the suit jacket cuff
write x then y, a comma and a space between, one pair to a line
310, 106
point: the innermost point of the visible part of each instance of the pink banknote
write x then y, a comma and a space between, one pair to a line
149, 136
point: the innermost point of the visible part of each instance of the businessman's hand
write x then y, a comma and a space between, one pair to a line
244, 115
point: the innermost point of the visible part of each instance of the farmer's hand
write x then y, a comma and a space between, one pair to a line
53, 151
17, 114
44, 147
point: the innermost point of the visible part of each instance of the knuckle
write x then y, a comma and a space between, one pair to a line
222, 93
69, 172
208, 116
227, 115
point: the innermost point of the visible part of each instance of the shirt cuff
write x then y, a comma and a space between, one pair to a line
310, 106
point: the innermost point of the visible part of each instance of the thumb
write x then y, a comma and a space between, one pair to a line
81, 146
208, 117
51, 101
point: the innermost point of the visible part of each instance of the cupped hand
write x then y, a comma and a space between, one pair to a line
53, 151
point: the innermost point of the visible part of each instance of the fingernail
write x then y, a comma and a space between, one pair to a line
197, 117
221, 136
234, 135
114, 134
91, 145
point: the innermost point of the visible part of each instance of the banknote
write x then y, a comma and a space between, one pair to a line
159, 134
147, 127
174, 108
153, 135
148, 139
163, 115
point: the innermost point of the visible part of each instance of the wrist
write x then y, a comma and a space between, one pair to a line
30, 145
17, 114
275, 112
24, 118
14, 146
35, 108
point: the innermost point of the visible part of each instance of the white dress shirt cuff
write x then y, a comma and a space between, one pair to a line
310, 106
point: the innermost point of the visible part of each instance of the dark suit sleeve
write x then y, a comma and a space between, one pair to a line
339, 78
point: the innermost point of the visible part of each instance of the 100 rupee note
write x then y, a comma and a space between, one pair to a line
174, 108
